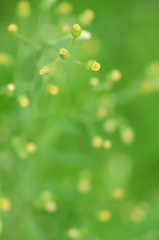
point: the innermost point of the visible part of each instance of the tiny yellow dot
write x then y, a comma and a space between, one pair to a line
63, 51
31, 147
107, 144
104, 216
51, 206
53, 90
5, 204
23, 101
76, 27
118, 193
42, 71
95, 67
97, 142
12, 28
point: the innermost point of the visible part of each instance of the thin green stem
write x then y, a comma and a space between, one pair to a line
27, 41
56, 61
72, 45
77, 61
129, 93
59, 41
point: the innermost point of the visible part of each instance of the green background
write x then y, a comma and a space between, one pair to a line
128, 34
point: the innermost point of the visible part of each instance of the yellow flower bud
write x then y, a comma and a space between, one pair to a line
84, 186
104, 216
110, 126
13, 29
23, 101
44, 70
107, 144
51, 206
102, 113
115, 75
11, 87
6, 59
76, 30
31, 147
118, 193
65, 28
64, 8
52, 89
94, 81
97, 142
5, 204
73, 233
148, 85
64, 54
127, 135
86, 17
92, 66
153, 69
139, 212
3, 57
23, 9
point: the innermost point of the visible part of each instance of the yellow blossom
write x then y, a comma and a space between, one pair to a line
13, 29
97, 142
118, 193
31, 147
104, 216
5, 204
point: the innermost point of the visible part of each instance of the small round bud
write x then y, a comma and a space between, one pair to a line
107, 144
94, 81
44, 70
73, 233
104, 216
65, 28
97, 142
23, 9
102, 113
52, 89
148, 85
6, 59
3, 58
127, 135
31, 147
118, 193
86, 17
92, 66
64, 8
13, 29
84, 186
76, 30
153, 69
23, 101
11, 87
139, 212
64, 54
5, 204
51, 206
110, 126
115, 75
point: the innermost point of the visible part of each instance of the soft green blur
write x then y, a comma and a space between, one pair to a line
125, 37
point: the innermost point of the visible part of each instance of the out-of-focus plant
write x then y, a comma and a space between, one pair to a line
48, 74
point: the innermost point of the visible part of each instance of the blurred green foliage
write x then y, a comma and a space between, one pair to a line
125, 37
